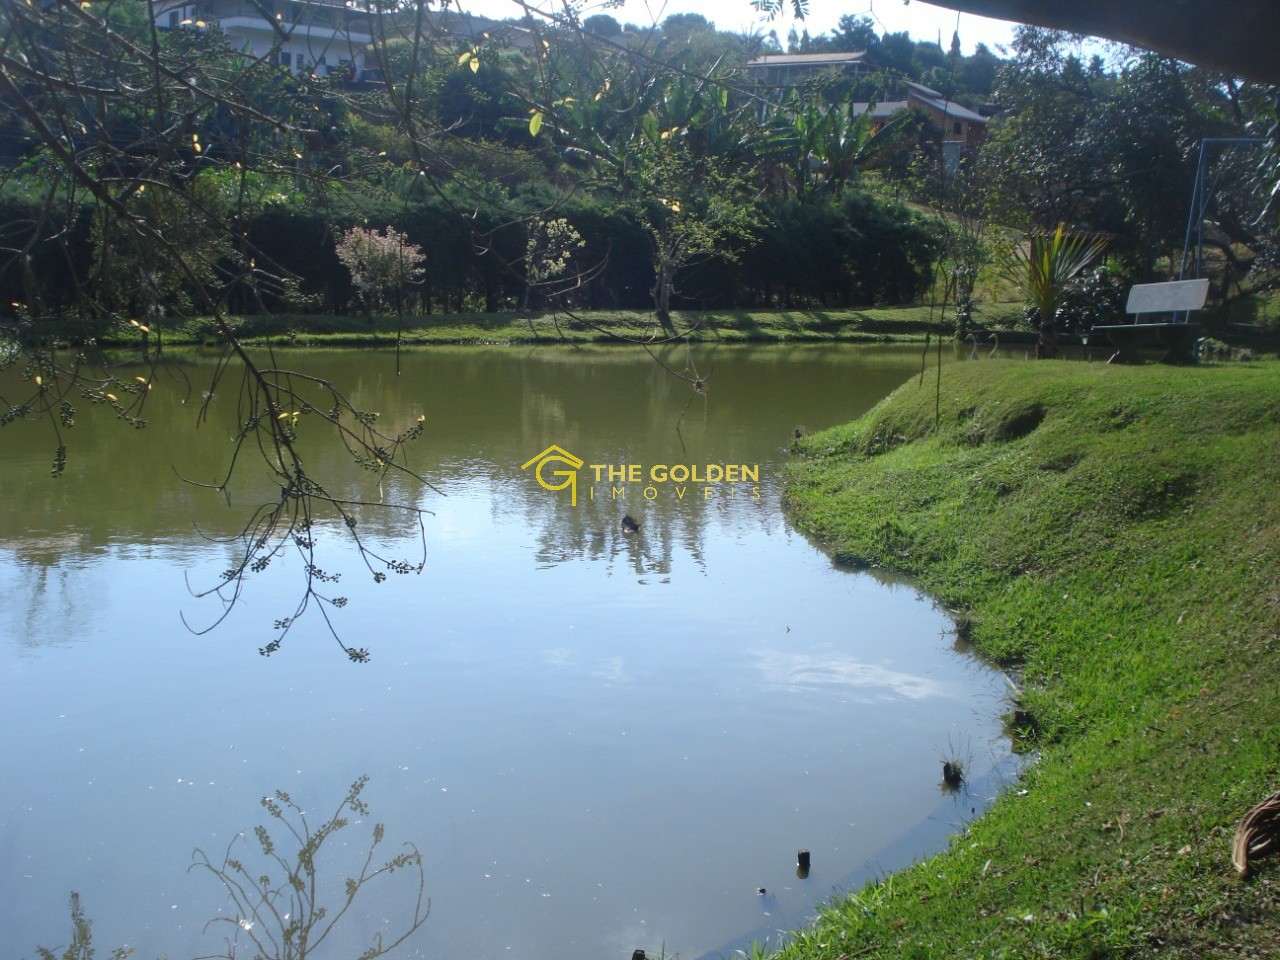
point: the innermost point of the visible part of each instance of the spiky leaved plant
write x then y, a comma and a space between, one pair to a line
1042, 267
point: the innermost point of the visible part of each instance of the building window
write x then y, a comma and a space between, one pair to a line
173, 18
957, 128
286, 59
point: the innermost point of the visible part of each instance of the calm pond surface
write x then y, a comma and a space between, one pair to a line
599, 742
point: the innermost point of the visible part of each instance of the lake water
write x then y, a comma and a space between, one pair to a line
599, 742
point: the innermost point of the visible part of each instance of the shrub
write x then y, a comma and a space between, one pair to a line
382, 265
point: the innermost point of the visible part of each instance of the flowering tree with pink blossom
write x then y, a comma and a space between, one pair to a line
383, 265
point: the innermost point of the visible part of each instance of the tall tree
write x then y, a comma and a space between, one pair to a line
854, 32
1234, 36
1104, 152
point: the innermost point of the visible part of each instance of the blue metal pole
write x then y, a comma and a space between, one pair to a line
1200, 204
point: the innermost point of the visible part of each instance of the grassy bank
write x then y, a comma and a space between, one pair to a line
878, 324
1112, 535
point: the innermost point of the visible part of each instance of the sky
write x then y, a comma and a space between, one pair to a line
922, 20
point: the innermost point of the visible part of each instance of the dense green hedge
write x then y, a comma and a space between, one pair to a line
831, 253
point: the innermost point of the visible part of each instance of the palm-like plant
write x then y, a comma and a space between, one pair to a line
1043, 267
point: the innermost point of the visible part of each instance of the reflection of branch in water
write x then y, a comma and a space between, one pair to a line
699, 382
283, 916
114, 157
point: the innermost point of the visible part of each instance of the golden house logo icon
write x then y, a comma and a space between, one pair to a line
568, 478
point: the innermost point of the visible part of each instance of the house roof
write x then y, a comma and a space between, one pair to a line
949, 108
830, 59
920, 88
885, 109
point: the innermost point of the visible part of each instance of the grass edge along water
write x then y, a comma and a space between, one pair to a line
1110, 536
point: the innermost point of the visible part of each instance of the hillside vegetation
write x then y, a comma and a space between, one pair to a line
1110, 535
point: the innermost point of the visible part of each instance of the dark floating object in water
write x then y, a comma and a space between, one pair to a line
637, 955
802, 864
760, 891
952, 773
629, 525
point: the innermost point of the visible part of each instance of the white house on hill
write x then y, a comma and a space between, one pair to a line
789, 69
324, 37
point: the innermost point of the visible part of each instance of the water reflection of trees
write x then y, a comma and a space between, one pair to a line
487, 411
670, 528
594, 532
33, 590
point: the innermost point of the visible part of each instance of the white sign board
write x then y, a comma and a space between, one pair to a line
1167, 297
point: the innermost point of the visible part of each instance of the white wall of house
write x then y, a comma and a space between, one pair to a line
303, 51
317, 40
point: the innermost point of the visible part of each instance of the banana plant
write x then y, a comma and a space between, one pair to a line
833, 142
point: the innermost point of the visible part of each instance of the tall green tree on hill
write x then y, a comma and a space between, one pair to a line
854, 32
673, 148
1107, 152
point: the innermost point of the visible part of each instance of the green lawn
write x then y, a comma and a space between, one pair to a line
1111, 535
870, 325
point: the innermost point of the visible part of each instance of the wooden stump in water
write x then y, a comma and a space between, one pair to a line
952, 773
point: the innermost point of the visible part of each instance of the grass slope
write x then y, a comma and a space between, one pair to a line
1111, 534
